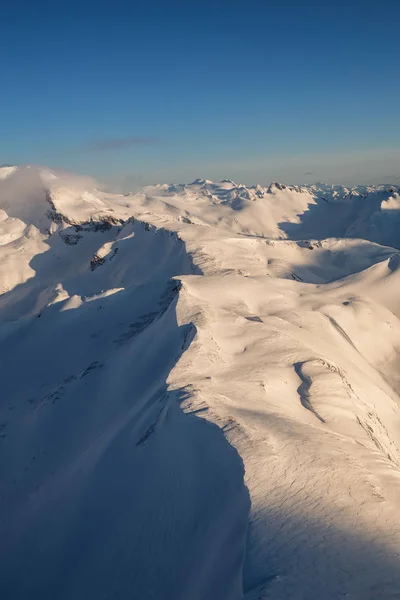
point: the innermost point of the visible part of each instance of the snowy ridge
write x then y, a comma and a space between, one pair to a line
200, 390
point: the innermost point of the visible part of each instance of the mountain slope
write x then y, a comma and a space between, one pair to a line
171, 356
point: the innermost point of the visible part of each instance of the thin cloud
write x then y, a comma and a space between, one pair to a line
391, 178
110, 144
309, 173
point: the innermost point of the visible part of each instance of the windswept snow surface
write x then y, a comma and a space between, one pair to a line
200, 391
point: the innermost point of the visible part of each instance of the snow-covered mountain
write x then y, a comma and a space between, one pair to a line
200, 390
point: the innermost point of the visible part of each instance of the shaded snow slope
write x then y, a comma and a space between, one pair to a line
171, 356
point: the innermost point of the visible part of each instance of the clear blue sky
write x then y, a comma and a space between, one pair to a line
134, 92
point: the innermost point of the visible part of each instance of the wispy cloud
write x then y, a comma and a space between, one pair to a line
118, 143
391, 178
308, 173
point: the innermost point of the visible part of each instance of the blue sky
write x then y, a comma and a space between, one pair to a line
139, 92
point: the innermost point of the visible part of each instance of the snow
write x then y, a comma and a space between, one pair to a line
200, 390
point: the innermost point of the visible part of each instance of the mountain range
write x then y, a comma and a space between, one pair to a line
200, 390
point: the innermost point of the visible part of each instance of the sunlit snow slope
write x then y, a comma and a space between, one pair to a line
200, 391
